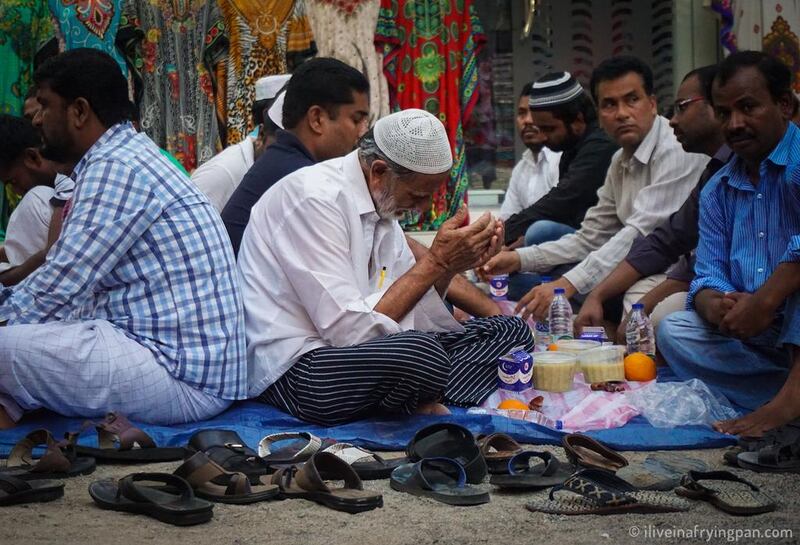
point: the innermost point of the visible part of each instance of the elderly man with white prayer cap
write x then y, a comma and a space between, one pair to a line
219, 177
342, 321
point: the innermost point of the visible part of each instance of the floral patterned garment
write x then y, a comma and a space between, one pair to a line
174, 47
26, 30
345, 30
430, 49
89, 23
262, 34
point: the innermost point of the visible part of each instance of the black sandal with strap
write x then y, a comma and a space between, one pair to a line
600, 492
14, 491
174, 503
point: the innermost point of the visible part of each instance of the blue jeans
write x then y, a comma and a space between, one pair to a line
749, 373
541, 231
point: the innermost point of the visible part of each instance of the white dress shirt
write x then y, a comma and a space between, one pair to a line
532, 178
640, 191
219, 177
310, 265
28, 225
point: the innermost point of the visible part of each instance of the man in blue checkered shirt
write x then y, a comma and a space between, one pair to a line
137, 308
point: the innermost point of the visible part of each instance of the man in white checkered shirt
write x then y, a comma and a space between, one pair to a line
137, 308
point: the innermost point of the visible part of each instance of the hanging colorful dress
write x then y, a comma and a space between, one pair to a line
174, 48
26, 34
430, 49
89, 23
262, 34
345, 30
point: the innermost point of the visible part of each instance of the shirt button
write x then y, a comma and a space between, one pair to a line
759, 196
760, 270
761, 234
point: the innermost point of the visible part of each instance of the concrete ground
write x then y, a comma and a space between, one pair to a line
403, 520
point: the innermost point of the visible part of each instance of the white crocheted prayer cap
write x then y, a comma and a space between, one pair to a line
275, 111
415, 139
268, 86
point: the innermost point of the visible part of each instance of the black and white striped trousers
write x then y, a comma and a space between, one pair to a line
392, 374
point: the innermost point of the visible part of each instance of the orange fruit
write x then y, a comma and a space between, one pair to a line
513, 405
553, 347
639, 367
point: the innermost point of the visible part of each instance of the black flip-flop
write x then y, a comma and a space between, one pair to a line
448, 440
58, 461
120, 442
727, 492
521, 475
441, 479
14, 491
227, 449
173, 504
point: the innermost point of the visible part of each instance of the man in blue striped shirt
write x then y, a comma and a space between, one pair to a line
137, 308
743, 335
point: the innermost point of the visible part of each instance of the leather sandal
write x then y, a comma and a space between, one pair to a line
227, 449
586, 452
497, 449
121, 442
307, 483
14, 491
59, 460
205, 476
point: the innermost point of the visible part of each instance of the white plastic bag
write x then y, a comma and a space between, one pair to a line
670, 404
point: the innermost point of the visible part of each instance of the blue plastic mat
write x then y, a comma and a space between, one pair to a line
253, 420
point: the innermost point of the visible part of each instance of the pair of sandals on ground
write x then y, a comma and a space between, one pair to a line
595, 480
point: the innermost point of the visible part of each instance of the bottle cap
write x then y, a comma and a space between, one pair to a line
638, 306
545, 279
559, 291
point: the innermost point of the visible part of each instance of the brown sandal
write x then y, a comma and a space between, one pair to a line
121, 442
497, 449
305, 482
586, 452
210, 482
59, 460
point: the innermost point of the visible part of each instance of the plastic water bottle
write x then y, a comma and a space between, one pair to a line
639, 332
560, 316
541, 330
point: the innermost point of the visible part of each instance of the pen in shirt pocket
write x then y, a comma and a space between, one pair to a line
381, 278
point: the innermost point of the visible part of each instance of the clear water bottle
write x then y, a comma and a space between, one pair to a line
639, 334
541, 330
560, 316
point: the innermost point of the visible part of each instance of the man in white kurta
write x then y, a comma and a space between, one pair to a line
342, 320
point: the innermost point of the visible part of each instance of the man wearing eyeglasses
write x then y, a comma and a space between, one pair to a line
669, 248
647, 180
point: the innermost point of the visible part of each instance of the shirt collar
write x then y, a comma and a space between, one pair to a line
787, 151
110, 134
354, 176
723, 154
646, 147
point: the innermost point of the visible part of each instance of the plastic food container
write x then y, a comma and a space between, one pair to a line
603, 364
576, 346
553, 371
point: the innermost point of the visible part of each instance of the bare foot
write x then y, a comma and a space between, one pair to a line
5, 421
432, 408
772, 415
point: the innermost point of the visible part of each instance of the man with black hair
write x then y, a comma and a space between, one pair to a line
30, 176
669, 249
325, 112
742, 336
536, 173
137, 307
567, 119
219, 177
648, 179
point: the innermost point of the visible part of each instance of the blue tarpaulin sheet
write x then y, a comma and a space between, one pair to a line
253, 420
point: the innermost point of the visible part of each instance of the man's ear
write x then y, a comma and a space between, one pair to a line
81, 112
314, 119
32, 159
786, 105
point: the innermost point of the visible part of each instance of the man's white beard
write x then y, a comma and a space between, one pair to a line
385, 203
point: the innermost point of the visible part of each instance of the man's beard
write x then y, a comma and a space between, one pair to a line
386, 204
569, 142
56, 153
